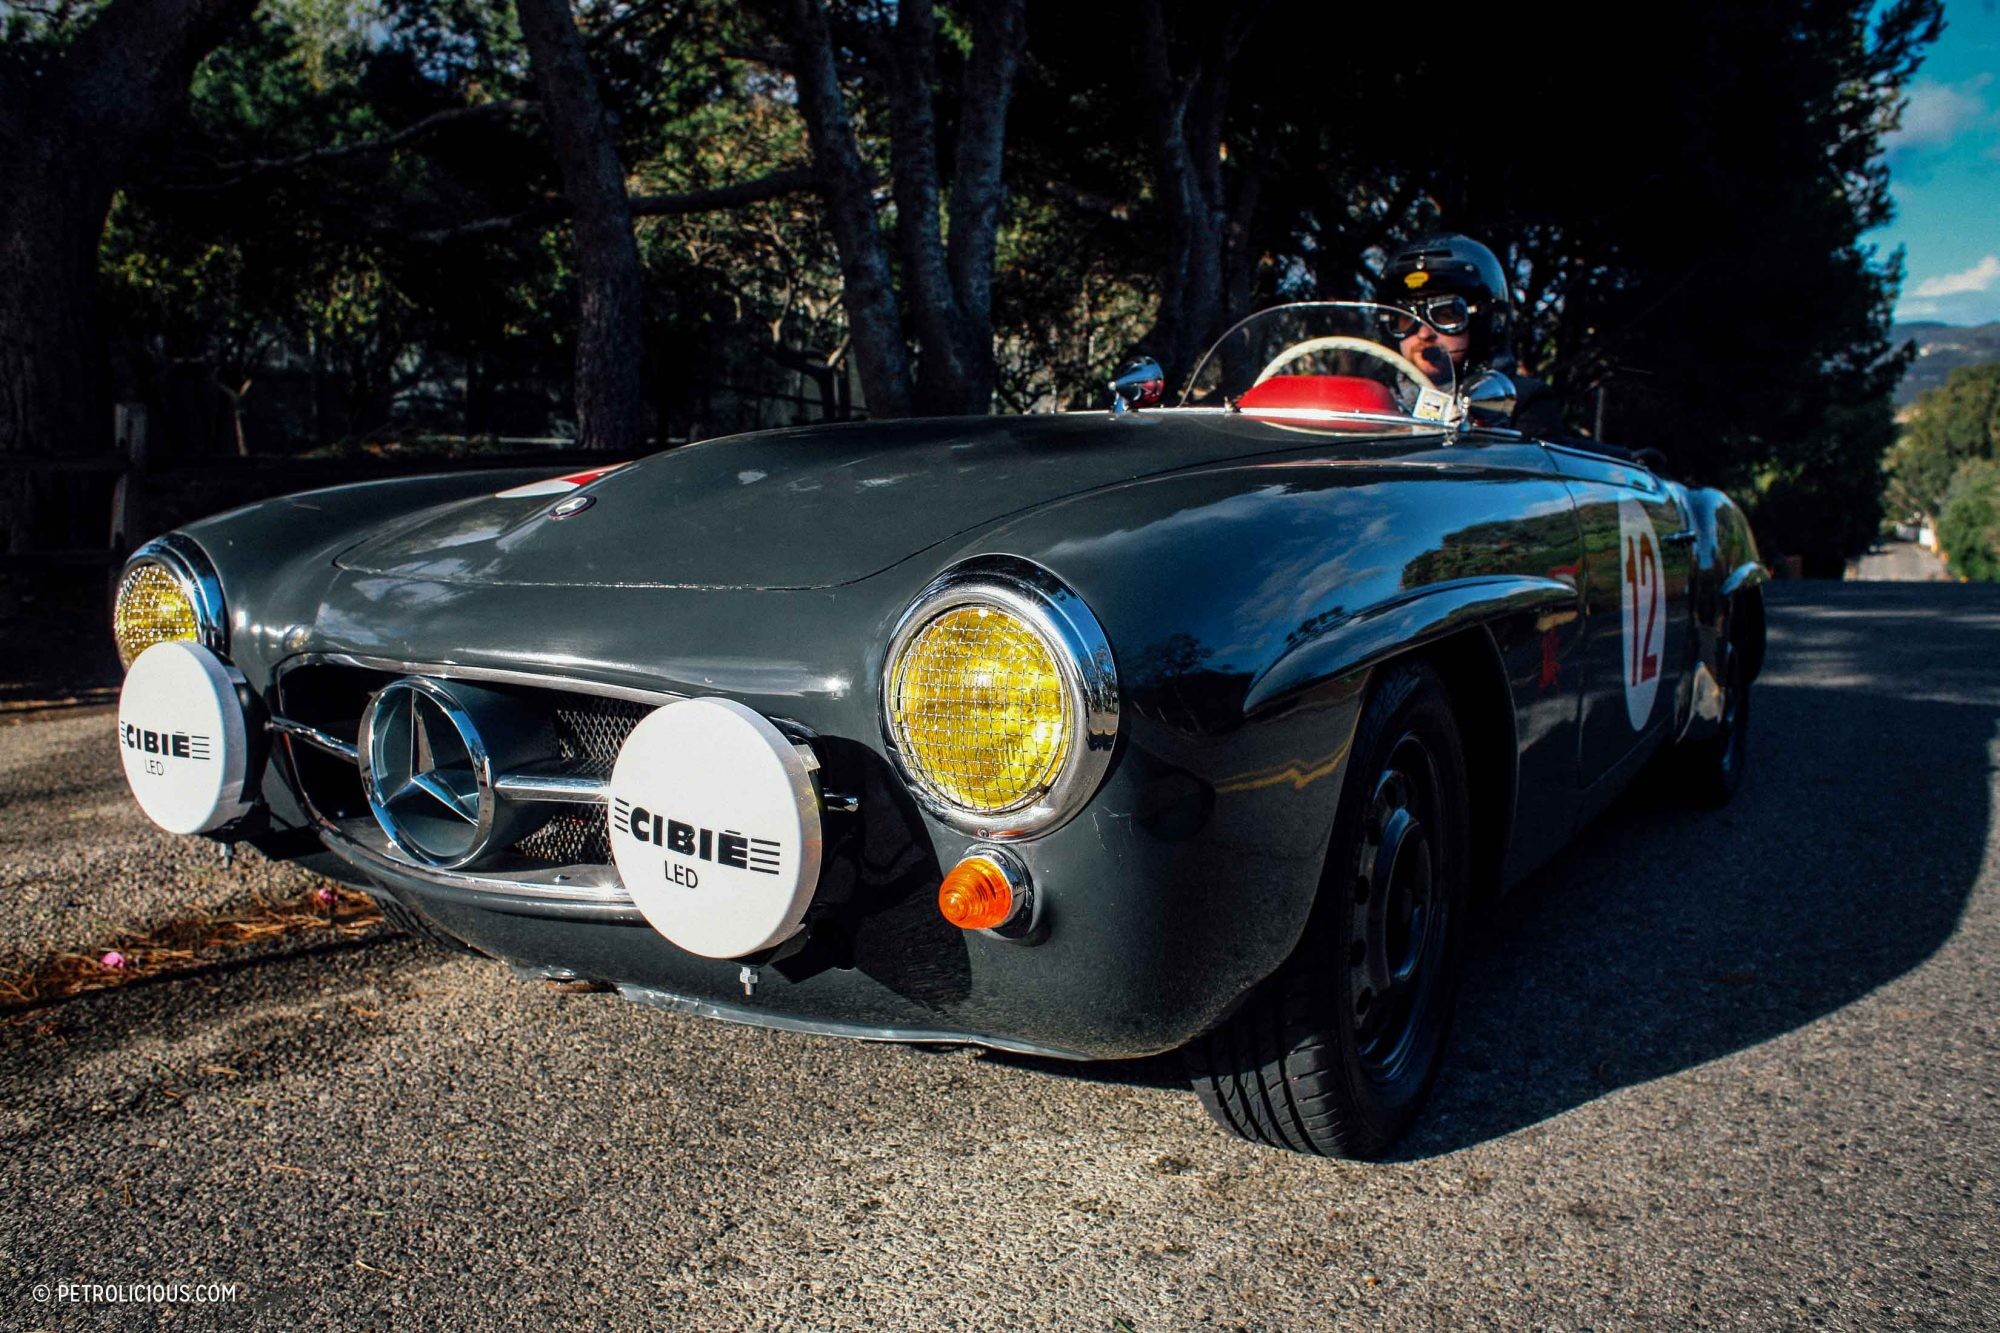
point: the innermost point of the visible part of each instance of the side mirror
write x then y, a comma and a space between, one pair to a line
1490, 399
1138, 383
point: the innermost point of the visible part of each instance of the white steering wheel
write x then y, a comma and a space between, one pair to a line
1344, 342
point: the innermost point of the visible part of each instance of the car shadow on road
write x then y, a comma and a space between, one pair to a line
1666, 937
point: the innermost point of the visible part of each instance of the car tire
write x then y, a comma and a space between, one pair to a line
412, 922
1710, 771
1336, 1053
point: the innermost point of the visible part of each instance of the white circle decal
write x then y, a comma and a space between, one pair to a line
182, 738
715, 827
1642, 606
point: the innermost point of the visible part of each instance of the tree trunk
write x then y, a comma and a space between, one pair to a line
69, 135
1208, 264
947, 279
611, 324
999, 37
54, 397
941, 370
866, 284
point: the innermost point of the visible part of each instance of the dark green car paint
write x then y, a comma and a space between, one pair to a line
1248, 576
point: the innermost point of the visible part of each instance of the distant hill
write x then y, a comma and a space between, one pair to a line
1941, 349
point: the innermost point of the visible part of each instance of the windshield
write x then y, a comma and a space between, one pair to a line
1325, 362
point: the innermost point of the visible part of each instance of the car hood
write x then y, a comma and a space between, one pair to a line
808, 508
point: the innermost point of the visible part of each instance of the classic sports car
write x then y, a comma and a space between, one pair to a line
1090, 735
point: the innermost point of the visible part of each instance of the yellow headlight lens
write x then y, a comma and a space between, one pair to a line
980, 709
152, 607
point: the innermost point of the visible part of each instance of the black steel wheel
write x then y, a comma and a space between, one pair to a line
1337, 1052
1711, 770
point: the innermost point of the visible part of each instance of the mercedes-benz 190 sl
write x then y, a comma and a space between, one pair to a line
1207, 728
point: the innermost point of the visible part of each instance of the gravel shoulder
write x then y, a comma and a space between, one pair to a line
1716, 1070
79, 863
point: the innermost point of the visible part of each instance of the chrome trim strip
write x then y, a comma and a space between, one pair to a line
314, 737
830, 1027
496, 675
1090, 680
1027, 913
553, 787
590, 891
1749, 574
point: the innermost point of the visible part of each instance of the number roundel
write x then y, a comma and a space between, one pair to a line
1642, 609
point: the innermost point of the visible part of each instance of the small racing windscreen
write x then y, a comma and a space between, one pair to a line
1328, 362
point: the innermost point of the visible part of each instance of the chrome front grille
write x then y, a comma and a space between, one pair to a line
575, 837
319, 706
591, 732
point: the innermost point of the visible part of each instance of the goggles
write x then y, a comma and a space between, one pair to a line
1446, 314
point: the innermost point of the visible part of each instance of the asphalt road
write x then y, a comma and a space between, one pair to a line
1728, 1070
1899, 561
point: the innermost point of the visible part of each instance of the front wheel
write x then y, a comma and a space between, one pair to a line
1336, 1053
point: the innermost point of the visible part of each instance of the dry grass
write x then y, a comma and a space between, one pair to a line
328, 911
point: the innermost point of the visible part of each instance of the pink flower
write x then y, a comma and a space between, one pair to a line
112, 959
323, 896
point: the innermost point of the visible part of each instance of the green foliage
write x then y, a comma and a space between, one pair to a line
1823, 501
1713, 279
329, 33
1957, 421
1068, 311
1969, 528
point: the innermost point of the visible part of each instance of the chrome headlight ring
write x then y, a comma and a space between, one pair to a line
1090, 686
188, 565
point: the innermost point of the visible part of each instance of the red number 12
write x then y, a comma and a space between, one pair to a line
1642, 573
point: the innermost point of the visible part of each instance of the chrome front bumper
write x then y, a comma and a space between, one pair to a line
576, 893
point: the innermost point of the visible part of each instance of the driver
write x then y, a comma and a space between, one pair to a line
1458, 290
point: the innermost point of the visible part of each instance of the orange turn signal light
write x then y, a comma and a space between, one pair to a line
976, 895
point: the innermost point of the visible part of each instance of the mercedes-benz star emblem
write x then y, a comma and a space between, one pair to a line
427, 774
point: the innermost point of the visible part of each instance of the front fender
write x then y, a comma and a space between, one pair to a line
275, 557
1244, 606
1424, 616
1724, 598
274, 560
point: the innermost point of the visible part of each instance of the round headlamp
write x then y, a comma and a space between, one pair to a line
168, 593
1000, 699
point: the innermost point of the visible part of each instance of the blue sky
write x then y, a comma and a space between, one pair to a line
1944, 171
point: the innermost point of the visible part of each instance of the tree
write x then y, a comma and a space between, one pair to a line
1969, 530
947, 278
76, 111
610, 344
1704, 263
1949, 425
1207, 270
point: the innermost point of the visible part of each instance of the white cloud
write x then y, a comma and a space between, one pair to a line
1936, 113
1978, 278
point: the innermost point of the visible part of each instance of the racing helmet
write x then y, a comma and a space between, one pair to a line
1453, 265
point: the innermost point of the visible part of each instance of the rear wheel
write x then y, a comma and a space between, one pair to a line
1336, 1053
1711, 770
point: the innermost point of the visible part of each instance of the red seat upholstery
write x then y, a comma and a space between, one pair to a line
1333, 393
